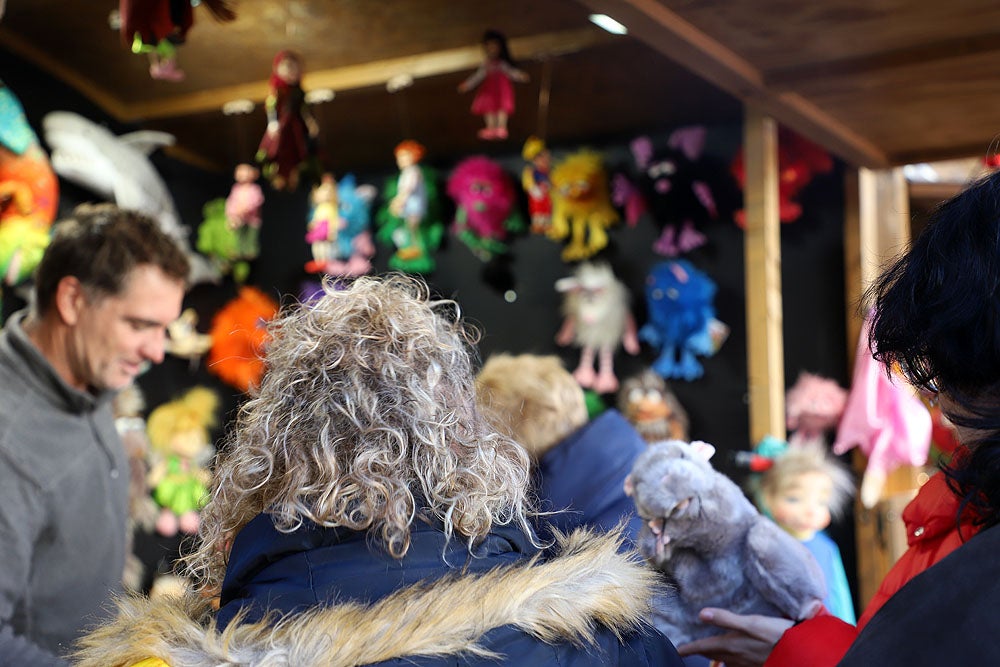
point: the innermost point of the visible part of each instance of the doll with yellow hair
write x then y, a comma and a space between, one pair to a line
535, 181
180, 439
580, 466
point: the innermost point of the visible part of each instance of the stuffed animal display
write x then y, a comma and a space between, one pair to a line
581, 205
654, 410
597, 319
712, 545
179, 436
485, 206
494, 100
682, 320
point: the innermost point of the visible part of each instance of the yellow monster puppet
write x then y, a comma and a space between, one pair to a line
581, 205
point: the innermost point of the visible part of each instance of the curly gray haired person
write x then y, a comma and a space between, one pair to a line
364, 512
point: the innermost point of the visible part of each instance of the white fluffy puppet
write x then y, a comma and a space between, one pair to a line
598, 319
712, 545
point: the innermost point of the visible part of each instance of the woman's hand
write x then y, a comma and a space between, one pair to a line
748, 644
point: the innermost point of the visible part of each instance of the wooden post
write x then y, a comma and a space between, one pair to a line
762, 259
876, 230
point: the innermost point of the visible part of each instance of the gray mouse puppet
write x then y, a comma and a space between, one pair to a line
712, 545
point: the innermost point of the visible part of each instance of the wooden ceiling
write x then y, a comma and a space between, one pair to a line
878, 82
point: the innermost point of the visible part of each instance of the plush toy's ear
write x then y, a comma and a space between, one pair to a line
568, 284
703, 450
629, 485
642, 151
688, 140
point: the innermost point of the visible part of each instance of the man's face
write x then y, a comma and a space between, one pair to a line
114, 336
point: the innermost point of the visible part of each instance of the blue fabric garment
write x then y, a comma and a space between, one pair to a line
838, 593
584, 476
313, 566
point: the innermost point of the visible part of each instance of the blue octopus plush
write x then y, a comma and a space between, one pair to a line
681, 313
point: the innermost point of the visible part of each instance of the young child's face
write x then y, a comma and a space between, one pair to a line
802, 505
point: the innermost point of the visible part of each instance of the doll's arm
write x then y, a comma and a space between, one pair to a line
566, 331
630, 340
513, 73
474, 80
271, 108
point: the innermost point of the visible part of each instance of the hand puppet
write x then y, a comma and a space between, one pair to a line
239, 334
647, 402
288, 148
679, 300
485, 210
884, 418
158, 27
597, 319
813, 406
180, 439
494, 100
411, 218
801, 492
230, 249
581, 205
118, 168
673, 185
712, 545
29, 193
536, 183
799, 160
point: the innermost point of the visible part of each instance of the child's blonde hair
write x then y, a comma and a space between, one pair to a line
532, 398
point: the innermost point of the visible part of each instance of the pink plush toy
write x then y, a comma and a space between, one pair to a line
245, 198
812, 407
597, 315
885, 419
484, 198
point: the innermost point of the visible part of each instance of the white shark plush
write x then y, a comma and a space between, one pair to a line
118, 168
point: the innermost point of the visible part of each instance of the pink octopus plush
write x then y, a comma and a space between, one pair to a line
484, 197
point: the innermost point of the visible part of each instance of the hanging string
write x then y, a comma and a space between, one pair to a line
544, 91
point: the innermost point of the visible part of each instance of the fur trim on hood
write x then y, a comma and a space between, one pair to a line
563, 599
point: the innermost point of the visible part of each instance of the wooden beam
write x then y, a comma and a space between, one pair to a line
376, 73
789, 77
671, 35
762, 259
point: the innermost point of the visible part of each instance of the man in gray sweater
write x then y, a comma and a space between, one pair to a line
107, 287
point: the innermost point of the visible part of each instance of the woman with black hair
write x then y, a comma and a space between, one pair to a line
937, 320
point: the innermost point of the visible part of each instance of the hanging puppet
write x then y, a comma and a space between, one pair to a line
494, 100
158, 27
813, 406
180, 439
884, 418
536, 183
239, 333
411, 217
29, 193
598, 320
245, 199
799, 160
581, 205
485, 210
682, 324
287, 152
323, 225
673, 185
802, 490
649, 404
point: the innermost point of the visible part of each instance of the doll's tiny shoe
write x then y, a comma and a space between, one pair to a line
500, 133
485, 133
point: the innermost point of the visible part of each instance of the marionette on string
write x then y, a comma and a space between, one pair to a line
288, 147
324, 223
410, 220
158, 27
494, 100
536, 184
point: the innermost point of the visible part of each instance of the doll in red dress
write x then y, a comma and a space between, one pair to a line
494, 100
289, 143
